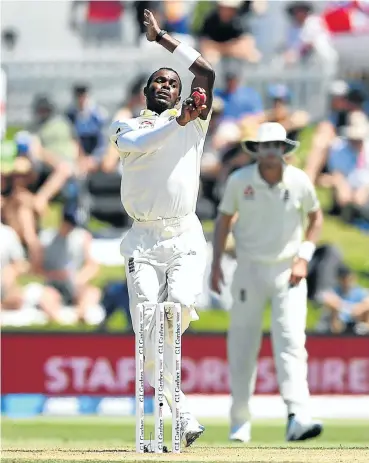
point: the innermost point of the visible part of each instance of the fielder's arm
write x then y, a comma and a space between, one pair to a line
223, 225
311, 208
204, 73
315, 225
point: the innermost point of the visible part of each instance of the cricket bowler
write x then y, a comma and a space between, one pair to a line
160, 151
273, 201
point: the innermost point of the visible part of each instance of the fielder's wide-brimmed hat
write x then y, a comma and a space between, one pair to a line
268, 132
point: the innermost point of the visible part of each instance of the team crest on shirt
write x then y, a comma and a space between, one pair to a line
248, 192
145, 124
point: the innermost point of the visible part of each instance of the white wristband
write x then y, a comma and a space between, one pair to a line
306, 250
186, 54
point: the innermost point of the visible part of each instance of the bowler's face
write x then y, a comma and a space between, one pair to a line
163, 92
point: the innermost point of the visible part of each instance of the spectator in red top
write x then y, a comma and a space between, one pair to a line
347, 17
102, 21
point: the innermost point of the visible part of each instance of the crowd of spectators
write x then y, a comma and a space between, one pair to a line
65, 155
339, 158
222, 28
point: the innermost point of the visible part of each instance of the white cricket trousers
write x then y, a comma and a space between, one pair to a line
165, 261
254, 285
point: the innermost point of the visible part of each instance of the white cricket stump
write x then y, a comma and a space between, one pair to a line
157, 444
159, 379
140, 386
176, 391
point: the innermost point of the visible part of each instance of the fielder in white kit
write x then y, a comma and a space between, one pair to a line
273, 201
165, 249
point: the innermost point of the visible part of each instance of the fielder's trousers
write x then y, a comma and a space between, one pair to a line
254, 285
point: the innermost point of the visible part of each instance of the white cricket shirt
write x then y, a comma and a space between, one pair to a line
271, 220
163, 183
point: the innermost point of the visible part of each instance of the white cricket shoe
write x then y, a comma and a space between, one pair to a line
298, 430
191, 429
241, 433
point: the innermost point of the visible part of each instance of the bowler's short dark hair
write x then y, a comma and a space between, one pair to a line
150, 79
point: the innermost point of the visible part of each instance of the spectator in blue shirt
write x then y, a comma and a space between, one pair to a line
347, 304
344, 101
89, 121
239, 101
242, 106
348, 163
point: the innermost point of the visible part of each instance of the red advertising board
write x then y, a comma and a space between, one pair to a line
104, 365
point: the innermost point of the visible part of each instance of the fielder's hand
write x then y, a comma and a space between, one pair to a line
189, 112
216, 279
298, 272
152, 26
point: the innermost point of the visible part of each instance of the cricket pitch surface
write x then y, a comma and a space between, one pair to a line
105, 440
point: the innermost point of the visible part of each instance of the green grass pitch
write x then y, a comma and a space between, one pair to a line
103, 439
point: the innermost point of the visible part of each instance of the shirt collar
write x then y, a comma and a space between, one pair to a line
259, 181
166, 114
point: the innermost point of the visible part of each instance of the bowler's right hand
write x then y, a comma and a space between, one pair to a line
216, 278
189, 112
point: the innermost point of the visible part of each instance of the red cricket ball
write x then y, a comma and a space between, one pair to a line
198, 98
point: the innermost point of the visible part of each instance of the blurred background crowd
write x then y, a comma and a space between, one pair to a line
69, 68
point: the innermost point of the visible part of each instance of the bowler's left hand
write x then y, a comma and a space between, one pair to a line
299, 271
